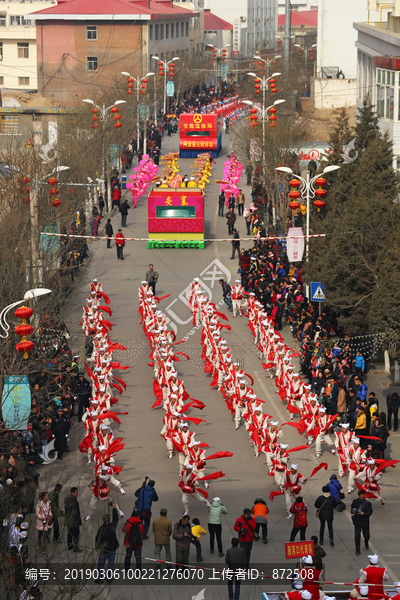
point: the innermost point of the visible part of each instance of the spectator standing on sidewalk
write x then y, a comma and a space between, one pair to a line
240, 200
319, 553
120, 243
162, 529
361, 511
216, 510
152, 278
182, 533
221, 204
101, 205
73, 520
235, 244
106, 542
54, 498
235, 559
359, 364
134, 534
325, 505
197, 530
245, 525
124, 212
393, 405
230, 220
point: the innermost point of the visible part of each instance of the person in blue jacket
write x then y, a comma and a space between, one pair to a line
334, 488
359, 364
146, 495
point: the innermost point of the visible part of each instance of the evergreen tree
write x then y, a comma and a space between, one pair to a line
360, 221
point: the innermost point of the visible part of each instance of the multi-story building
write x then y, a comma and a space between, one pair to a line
82, 46
378, 69
18, 55
258, 21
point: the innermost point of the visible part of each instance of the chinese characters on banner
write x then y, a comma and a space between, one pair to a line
299, 549
295, 245
16, 402
236, 36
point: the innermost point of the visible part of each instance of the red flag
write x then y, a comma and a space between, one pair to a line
296, 425
105, 309
221, 315
105, 297
183, 354
298, 448
116, 346
158, 402
320, 466
267, 366
176, 445
228, 327
118, 387
204, 445
386, 463
282, 394
89, 372
216, 475
119, 368
194, 420
208, 367
273, 494
220, 454
157, 299
250, 377
369, 437
367, 494
121, 382
157, 389
111, 415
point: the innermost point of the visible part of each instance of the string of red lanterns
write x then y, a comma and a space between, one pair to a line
25, 346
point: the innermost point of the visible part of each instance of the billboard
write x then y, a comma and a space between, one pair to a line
16, 402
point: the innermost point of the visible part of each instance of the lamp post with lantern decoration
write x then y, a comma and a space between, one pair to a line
306, 51
162, 71
101, 113
139, 85
263, 115
267, 62
24, 313
218, 54
307, 192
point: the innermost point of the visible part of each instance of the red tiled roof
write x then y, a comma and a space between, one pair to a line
110, 9
214, 23
308, 18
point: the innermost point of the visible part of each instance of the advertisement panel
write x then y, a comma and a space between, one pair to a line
16, 402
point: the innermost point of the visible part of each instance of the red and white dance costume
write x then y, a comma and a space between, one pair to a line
373, 576
190, 487
343, 440
355, 461
237, 294
372, 476
291, 486
99, 441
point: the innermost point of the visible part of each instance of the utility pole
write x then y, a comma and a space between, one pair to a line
33, 207
286, 38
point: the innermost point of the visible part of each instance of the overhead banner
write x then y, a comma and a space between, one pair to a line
295, 245
16, 402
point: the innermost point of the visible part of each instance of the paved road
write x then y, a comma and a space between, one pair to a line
144, 452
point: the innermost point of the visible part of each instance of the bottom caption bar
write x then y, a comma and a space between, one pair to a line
160, 573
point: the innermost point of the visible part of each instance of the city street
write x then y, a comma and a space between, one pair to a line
144, 453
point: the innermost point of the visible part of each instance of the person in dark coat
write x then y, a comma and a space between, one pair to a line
109, 232
319, 553
106, 542
146, 495
101, 205
230, 220
361, 511
123, 209
393, 405
221, 204
326, 505
60, 428
335, 487
56, 511
73, 520
83, 391
235, 244
182, 534
235, 559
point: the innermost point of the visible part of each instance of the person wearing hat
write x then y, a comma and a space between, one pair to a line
312, 579
374, 576
291, 486
237, 295
295, 594
190, 487
361, 511
83, 392
245, 525
343, 440
216, 510
323, 425
397, 588
372, 476
106, 542
60, 426
355, 460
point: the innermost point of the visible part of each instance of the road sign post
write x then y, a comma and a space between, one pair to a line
318, 293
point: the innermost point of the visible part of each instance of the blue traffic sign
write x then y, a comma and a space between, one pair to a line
317, 292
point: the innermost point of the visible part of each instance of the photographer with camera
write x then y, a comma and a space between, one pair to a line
246, 526
361, 511
146, 495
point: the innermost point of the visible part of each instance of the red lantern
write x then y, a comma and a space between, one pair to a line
130, 80
130, 86
130, 92
257, 80
116, 117
25, 179
52, 181
25, 346
320, 193
95, 111
52, 192
319, 204
95, 118
145, 80
56, 202
26, 200
258, 92
294, 205
115, 109
24, 312
294, 183
294, 194
272, 81
118, 125
261, 63
24, 330
95, 125
257, 86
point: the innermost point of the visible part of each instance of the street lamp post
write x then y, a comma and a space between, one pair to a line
307, 192
137, 86
305, 50
165, 65
103, 114
219, 54
266, 61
